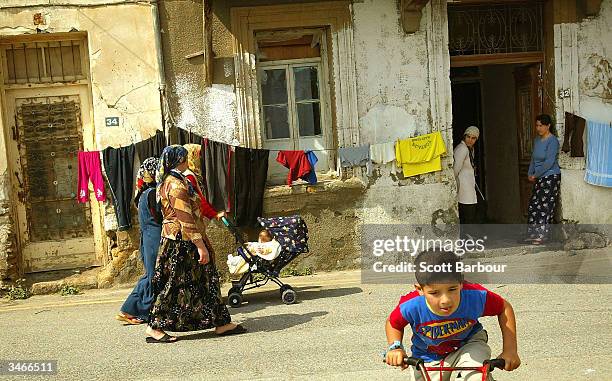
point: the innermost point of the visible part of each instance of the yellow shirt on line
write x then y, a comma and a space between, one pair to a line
420, 154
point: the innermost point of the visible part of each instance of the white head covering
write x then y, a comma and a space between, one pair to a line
472, 131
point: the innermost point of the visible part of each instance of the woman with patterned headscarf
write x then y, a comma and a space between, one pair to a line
194, 175
135, 309
186, 285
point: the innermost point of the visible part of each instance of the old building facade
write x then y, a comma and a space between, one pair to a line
235, 71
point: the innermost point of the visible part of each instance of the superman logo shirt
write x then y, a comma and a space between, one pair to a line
435, 336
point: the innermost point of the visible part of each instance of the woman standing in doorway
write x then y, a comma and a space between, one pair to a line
186, 282
545, 173
463, 167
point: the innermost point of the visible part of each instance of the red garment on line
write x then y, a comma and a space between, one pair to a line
89, 169
205, 208
296, 161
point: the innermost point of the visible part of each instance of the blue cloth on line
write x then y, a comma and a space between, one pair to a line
355, 157
311, 177
599, 154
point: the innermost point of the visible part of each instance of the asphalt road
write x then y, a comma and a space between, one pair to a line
334, 332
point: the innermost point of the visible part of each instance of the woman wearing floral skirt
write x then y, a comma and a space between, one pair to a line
186, 283
545, 173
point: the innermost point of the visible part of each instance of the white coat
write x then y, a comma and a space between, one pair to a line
464, 174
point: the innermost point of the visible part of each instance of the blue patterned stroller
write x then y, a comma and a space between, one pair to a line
292, 235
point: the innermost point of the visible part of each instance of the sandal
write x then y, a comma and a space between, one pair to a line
133, 321
165, 339
236, 331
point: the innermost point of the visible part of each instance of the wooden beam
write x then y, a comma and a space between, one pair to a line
410, 14
42, 37
493, 59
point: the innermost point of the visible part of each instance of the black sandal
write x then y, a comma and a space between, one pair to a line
236, 331
163, 340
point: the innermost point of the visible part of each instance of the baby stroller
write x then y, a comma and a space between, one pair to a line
292, 235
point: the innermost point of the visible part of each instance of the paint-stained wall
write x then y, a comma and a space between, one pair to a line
583, 202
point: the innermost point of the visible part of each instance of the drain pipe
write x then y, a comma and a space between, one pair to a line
160, 64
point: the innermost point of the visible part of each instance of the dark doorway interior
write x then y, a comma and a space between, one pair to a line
485, 97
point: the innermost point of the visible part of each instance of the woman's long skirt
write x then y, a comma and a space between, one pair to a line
187, 294
542, 206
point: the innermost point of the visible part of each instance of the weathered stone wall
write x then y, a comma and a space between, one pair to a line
583, 202
395, 91
394, 99
124, 82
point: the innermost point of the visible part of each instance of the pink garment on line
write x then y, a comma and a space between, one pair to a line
90, 169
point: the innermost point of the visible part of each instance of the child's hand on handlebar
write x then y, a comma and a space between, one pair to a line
396, 358
221, 214
512, 360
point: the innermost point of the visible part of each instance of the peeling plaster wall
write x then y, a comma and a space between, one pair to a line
583, 202
209, 112
123, 64
394, 102
123, 72
8, 258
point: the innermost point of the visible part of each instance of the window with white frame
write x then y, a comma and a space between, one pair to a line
294, 106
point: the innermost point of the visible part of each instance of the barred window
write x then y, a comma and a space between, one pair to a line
43, 62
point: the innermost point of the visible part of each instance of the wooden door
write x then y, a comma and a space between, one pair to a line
48, 127
529, 105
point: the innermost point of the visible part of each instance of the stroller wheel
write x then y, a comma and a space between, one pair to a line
289, 296
234, 299
285, 287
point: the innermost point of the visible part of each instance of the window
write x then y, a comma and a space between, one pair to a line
293, 106
291, 102
43, 62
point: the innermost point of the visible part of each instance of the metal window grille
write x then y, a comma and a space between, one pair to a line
495, 29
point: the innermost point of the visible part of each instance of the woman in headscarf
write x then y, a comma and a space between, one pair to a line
463, 167
186, 282
545, 173
135, 309
194, 175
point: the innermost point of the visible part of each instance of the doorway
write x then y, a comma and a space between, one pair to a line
497, 50
502, 100
47, 104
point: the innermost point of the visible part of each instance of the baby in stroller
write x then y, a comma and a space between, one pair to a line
266, 247
282, 240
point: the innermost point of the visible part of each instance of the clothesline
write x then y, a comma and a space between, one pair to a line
272, 149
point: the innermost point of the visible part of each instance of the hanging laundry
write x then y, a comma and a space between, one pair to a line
217, 171
181, 137
151, 147
311, 177
382, 153
574, 130
599, 154
420, 154
250, 175
355, 157
89, 169
119, 167
297, 162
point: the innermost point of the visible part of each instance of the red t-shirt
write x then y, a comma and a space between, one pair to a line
297, 162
